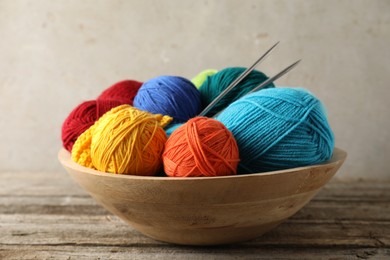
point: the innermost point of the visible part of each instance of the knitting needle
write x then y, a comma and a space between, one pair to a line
236, 81
268, 81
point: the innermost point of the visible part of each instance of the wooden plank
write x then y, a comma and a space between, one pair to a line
340, 201
38, 183
357, 190
319, 208
61, 184
69, 252
64, 205
109, 230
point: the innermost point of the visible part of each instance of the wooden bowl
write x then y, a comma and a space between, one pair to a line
208, 210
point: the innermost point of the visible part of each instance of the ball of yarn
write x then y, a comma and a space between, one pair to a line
279, 128
82, 117
202, 76
123, 91
125, 140
217, 83
169, 95
202, 147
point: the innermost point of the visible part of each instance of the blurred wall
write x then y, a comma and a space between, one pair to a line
55, 54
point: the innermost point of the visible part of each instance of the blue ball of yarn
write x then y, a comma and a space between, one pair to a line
217, 83
169, 95
279, 128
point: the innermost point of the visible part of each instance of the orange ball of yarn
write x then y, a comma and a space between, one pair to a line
202, 147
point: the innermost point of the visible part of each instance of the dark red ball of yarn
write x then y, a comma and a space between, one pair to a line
82, 117
123, 91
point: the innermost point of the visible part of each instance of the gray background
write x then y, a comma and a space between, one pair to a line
55, 54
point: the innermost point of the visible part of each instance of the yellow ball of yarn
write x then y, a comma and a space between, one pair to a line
125, 140
202, 76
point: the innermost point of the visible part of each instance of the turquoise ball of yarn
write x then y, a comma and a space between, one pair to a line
279, 128
218, 82
169, 95
171, 128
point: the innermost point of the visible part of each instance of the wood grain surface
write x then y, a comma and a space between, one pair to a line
47, 216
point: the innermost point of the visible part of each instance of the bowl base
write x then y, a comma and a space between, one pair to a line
206, 236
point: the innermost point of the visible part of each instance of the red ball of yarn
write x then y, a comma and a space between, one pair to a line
202, 147
123, 91
82, 117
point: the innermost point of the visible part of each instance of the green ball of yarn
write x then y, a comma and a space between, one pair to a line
218, 82
202, 76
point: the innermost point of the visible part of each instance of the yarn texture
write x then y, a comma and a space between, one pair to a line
202, 147
125, 140
169, 95
123, 91
82, 117
279, 128
217, 83
202, 76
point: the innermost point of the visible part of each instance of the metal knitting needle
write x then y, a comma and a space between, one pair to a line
236, 81
268, 81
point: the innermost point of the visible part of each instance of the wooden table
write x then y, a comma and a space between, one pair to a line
47, 216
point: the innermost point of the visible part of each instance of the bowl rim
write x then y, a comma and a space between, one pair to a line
65, 159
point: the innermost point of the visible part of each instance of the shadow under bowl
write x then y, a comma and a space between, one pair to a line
205, 210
